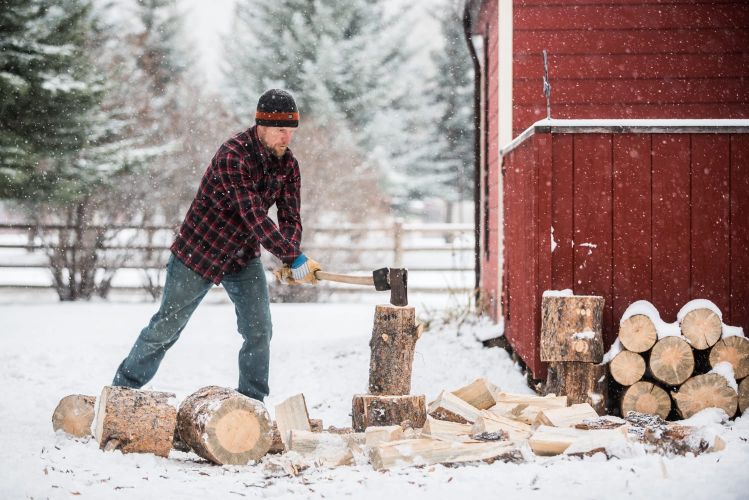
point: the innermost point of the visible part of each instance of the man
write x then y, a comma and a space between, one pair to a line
219, 242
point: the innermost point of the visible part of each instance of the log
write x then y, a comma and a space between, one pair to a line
548, 441
479, 394
571, 328
525, 408
277, 445
392, 346
429, 451
447, 431
488, 423
448, 406
135, 421
637, 333
627, 367
74, 415
224, 426
670, 438
291, 414
705, 391
369, 410
734, 350
580, 382
646, 397
550, 400
671, 361
375, 436
324, 449
566, 417
743, 395
702, 327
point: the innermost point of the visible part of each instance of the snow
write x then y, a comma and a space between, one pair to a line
615, 349
726, 330
558, 293
646, 308
725, 370
52, 349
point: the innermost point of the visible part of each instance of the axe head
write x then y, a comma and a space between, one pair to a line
381, 278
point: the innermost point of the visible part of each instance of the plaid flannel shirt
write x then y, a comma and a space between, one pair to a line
228, 219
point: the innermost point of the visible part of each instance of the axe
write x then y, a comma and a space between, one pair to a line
386, 278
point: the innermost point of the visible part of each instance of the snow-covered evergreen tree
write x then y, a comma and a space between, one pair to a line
47, 91
447, 171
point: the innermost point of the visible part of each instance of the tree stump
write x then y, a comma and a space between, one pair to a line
571, 328
705, 391
224, 426
702, 327
627, 367
372, 410
581, 382
393, 342
735, 350
744, 395
136, 421
645, 397
671, 361
74, 415
637, 333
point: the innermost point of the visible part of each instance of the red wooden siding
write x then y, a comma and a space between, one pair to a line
662, 217
631, 59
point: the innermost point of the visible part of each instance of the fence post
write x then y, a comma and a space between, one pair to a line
398, 243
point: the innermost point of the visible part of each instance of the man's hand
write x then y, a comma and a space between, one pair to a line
303, 270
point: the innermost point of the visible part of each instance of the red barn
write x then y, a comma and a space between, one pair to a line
638, 187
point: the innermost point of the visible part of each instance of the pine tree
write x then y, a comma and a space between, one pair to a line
46, 91
447, 172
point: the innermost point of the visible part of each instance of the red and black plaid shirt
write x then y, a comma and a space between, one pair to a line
228, 219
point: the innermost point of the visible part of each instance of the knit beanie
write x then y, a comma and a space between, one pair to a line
276, 108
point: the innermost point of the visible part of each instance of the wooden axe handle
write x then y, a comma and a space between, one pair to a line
345, 278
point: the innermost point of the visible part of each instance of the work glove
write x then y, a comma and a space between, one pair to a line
303, 270
283, 275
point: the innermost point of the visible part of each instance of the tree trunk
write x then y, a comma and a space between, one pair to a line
637, 333
702, 327
393, 341
672, 361
735, 350
627, 367
646, 397
580, 382
224, 426
705, 391
571, 328
136, 421
74, 415
370, 410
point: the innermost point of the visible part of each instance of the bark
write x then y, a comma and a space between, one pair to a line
580, 382
393, 342
571, 329
371, 410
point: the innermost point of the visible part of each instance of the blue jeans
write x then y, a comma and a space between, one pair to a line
183, 291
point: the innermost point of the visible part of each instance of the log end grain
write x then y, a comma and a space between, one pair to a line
702, 327
637, 333
627, 367
734, 350
705, 391
74, 415
645, 397
672, 361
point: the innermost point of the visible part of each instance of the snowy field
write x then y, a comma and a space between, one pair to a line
50, 350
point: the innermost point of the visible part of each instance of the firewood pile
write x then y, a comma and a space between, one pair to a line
677, 369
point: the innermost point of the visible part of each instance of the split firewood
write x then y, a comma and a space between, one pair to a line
671, 361
646, 397
479, 394
429, 451
392, 347
743, 395
74, 415
710, 390
601, 423
637, 333
734, 350
548, 441
548, 401
135, 421
488, 423
373, 410
446, 430
566, 417
224, 426
627, 367
580, 382
671, 438
606, 441
291, 414
571, 328
375, 436
277, 445
450, 407
702, 327
526, 408
324, 449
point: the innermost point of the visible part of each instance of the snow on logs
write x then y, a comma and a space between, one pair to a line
658, 363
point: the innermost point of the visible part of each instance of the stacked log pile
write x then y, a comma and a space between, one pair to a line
677, 369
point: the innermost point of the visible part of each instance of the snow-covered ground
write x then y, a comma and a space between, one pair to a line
51, 349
